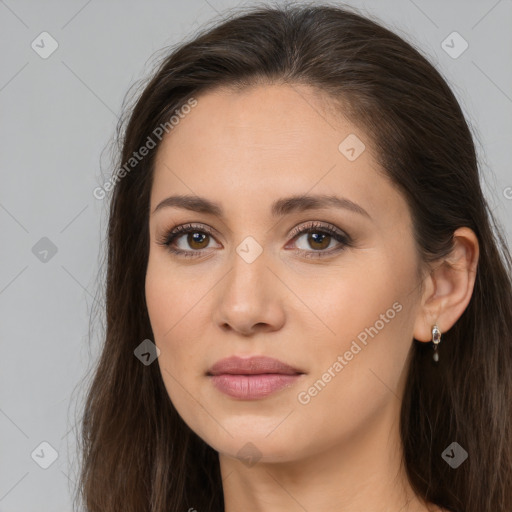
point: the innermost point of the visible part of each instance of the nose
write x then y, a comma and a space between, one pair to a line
249, 298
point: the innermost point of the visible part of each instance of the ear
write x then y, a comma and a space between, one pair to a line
448, 287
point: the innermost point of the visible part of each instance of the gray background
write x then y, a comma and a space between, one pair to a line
57, 118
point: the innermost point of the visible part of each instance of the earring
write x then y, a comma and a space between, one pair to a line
436, 338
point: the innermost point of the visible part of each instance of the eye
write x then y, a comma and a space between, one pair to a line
320, 237
197, 238
317, 235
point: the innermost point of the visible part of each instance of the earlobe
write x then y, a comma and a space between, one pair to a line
449, 286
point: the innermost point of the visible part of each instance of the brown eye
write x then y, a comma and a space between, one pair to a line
320, 240
196, 240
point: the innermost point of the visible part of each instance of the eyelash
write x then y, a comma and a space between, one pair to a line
313, 227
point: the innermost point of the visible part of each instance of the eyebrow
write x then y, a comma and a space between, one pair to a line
279, 208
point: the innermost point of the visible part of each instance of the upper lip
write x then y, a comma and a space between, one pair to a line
251, 366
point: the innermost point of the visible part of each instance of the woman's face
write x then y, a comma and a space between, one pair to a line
338, 308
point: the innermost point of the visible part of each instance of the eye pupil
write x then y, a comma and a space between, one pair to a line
196, 237
313, 237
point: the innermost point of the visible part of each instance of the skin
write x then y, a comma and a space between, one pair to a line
341, 451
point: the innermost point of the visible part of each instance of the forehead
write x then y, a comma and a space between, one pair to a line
259, 118
265, 142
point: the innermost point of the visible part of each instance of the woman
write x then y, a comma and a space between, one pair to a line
307, 305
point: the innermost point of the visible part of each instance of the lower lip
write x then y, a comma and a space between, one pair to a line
252, 387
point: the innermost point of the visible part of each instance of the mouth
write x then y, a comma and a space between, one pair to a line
252, 378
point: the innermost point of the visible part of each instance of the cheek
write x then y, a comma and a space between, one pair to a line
367, 319
173, 320
344, 301
356, 378
171, 297
169, 306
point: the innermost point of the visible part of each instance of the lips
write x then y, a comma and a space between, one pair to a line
255, 365
252, 378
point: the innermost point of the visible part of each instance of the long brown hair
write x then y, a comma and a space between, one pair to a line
137, 453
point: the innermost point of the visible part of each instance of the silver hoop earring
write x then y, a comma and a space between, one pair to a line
436, 339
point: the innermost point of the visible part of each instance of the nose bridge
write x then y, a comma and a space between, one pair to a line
249, 296
249, 269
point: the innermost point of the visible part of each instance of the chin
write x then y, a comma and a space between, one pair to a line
259, 442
